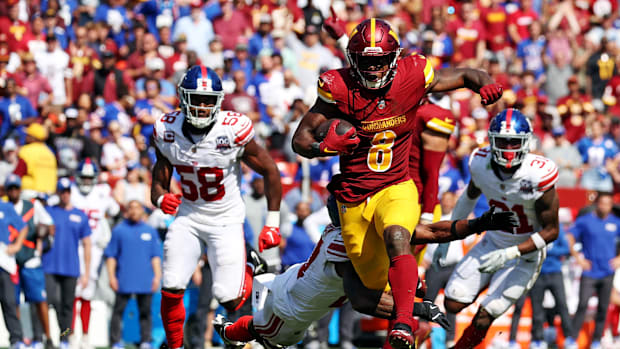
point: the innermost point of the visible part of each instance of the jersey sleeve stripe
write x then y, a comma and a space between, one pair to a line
243, 138
337, 254
549, 182
325, 96
337, 247
429, 73
550, 174
439, 125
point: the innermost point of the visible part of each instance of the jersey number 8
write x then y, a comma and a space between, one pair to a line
380, 154
189, 189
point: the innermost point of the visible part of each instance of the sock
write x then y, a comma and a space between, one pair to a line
470, 338
74, 314
612, 319
403, 277
246, 289
240, 330
85, 314
173, 317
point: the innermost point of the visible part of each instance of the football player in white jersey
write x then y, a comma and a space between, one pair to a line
96, 201
307, 291
205, 146
507, 261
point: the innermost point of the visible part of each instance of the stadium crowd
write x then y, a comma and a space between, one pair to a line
85, 81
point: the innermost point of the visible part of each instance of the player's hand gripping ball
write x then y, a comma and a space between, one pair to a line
336, 136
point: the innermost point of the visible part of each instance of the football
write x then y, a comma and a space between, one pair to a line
343, 127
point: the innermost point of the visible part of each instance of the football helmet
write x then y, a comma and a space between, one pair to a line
510, 133
372, 51
200, 94
86, 176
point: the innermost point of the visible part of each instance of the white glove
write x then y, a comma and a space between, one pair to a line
495, 260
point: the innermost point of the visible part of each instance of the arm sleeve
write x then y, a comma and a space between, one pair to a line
431, 161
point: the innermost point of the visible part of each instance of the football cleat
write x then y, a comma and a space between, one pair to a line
219, 324
401, 337
254, 259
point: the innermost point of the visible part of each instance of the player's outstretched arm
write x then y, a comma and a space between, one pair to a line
160, 189
260, 161
479, 81
547, 207
446, 231
466, 201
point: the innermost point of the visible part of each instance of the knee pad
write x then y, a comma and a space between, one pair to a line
498, 306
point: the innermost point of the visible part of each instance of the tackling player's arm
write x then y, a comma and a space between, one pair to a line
476, 80
160, 189
259, 160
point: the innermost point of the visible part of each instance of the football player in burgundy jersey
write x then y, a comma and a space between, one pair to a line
378, 202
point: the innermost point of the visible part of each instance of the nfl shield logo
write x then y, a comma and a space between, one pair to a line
222, 142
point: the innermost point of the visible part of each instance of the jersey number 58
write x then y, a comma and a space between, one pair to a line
207, 178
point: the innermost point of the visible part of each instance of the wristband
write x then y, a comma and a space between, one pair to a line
316, 149
159, 200
455, 236
427, 217
538, 241
273, 219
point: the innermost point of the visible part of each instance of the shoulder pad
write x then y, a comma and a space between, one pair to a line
165, 126
420, 62
543, 172
326, 85
239, 124
437, 118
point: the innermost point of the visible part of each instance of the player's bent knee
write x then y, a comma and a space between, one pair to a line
483, 320
397, 240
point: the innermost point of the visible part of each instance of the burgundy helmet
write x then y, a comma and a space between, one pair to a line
372, 52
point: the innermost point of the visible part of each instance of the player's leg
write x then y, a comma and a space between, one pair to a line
88, 293
232, 277
395, 217
507, 285
182, 250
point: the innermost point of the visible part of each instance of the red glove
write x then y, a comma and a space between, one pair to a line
491, 93
170, 202
335, 143
269, 237
334, 26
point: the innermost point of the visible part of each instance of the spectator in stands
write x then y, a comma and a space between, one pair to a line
52, 26
297, 247
39, 223
134, 268
15, 28
133, 188
530, 51
232, 25
39, 166
600, 68
520, 20
108, 82
53, 64
16, 111
595, 231
118, 151
240, 100
558, 72
34, 85
155, 70
136, 62
262, 39
576, 111
595, 151
61, 263
151, 107
9, 161
468, 33
197, 29
82, 60
566, 157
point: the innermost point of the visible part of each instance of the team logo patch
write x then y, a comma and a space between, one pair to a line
526, 186
222, 143
381, 104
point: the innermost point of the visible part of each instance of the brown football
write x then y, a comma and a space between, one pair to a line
343, 127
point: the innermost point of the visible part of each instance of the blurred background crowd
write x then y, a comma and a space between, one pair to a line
87, 79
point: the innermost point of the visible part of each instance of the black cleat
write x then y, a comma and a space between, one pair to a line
219, 324
255, 260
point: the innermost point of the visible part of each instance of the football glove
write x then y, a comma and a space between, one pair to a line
333, 142
491, 93
495, 260
429, 311
170, 202
490, 220
269, 237
334, 26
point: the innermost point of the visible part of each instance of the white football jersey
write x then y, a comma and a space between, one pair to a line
307, 291
209, 167
96, 205
518, 193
